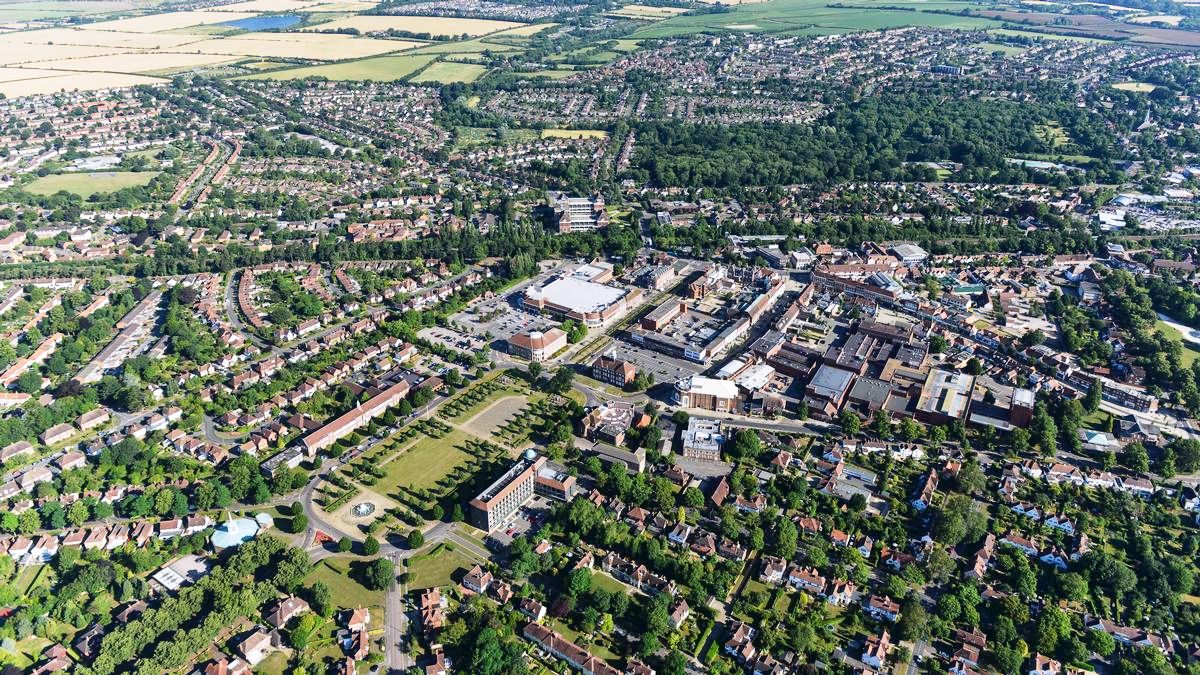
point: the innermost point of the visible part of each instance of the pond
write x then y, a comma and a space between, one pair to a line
272, 22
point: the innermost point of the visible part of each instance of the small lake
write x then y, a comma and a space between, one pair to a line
273, 22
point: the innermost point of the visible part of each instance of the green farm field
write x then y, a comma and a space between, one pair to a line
813, 17
376, 69
88, 184
447, 72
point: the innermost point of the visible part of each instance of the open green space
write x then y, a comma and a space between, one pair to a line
425, 462
447, 72
780, 16
597, 648
438, 568
601, 580
376, 69
87, 184
347, 592
1044, 36
1007, 50
1189, 355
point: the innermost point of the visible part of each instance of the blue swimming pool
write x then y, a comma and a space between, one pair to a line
272, 22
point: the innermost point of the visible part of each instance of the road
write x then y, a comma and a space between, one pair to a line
395, 630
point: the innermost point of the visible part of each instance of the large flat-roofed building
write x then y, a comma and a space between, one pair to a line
707, 393
703, 440
346, 423
664, 314
536, 345
591, 303
827, 391
945, 397
506, 494
553, 481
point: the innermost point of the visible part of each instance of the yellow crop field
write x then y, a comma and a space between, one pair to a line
344, 6
304, 46
98, 38
434, 25
139, 62
12, 54
155, 23
72, 82
264, 6
17, 74
574, 133
645, 12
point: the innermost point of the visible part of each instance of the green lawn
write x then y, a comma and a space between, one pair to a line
1189, 354
438, 568
376, 69
346, 592
425, 462
447, 72
602, 580
87, 184
275, 664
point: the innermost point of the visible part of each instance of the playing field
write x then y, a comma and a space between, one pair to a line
88, 184
1139, 87
446, 72
574, 133
72, 82
378, 69
434, 25
425, 462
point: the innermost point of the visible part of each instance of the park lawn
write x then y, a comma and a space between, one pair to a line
375, 69
471, 137
1052, 134
425, 462
448, 72
1189, 355
437, 568
346, 592
503, 392
87, 184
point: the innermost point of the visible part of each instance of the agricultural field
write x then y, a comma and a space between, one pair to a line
72, 81
313, 46
138, 62
257, 6
810, 16
646, 12
154, 23
434, 25
446, 72
88, 184
377, 69
100, 38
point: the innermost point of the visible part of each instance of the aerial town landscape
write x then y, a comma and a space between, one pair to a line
507, 337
